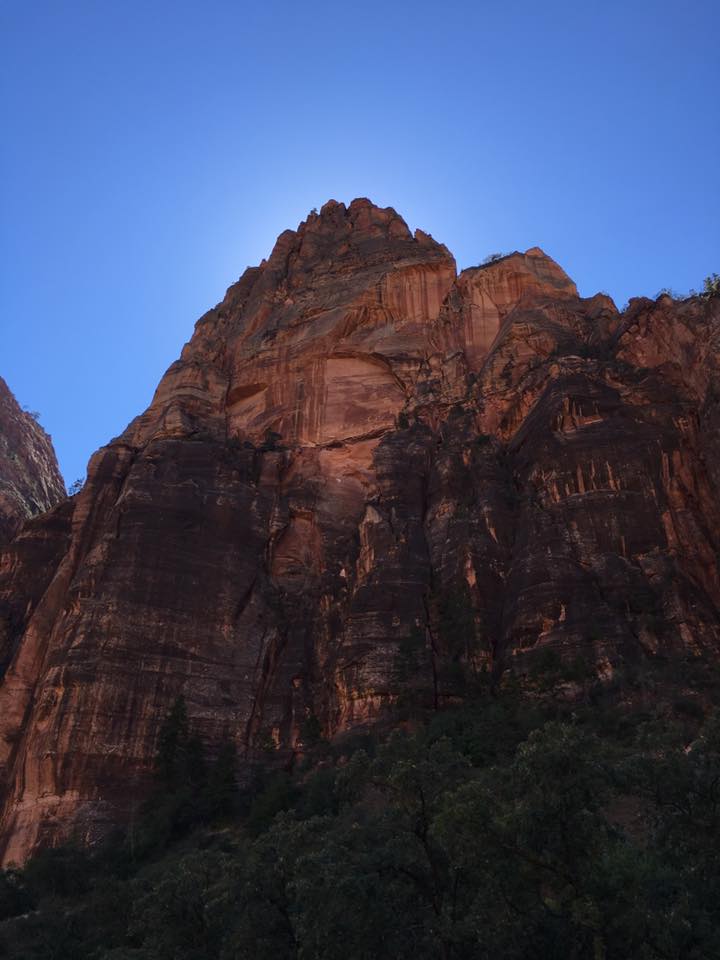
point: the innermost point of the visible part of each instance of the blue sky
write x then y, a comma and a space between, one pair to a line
152, 150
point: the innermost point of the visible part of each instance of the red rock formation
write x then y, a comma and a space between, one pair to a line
364, 476
30, 481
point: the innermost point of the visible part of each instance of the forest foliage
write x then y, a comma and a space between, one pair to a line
518, 825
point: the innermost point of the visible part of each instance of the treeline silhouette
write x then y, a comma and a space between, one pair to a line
521, 825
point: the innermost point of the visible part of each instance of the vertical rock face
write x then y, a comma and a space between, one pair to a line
365, 475
30, 481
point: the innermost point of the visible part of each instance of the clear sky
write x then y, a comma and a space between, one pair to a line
152, 149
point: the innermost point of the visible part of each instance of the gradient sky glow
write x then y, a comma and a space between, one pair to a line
152, 150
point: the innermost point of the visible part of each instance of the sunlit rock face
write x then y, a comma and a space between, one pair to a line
30, 481
364, 474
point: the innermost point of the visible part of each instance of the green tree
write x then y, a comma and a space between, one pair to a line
182, 913
15, 897
531, 832
220, 790
711, 286
171, 756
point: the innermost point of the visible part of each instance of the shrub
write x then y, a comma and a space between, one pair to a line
689, 707
310, 730
15, 898
59, 872
711, 286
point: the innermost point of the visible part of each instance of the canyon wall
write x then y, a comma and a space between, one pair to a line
366, 476
30, 481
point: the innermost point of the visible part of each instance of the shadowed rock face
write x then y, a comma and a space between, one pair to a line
364, 474
30, 481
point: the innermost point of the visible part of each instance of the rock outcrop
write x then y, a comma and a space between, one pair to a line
365, 477
30, 481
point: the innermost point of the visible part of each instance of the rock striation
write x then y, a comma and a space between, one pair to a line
30, 481
365, 476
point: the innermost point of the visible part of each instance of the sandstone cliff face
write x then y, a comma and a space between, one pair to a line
365, 475
30, 481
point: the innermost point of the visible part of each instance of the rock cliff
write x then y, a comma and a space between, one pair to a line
365, 477
30, 481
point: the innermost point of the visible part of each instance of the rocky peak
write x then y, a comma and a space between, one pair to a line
340, 239
30, 481
365, 480
520, 276
535, 268
472, 320
341, 312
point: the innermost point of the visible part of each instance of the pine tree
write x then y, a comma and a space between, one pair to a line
171, 761
220, 791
